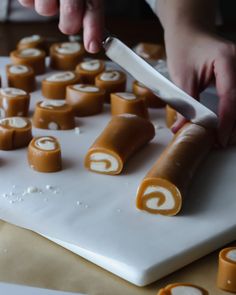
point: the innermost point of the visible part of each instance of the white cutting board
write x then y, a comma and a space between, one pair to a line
95, 215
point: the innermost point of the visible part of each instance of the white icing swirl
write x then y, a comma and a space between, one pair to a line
231, 255
29, 52
30, 39
50, 104
12, 92
101, 162
15, 122
45, 143
91, 65
152, 203
126, 95
110, 76
18, 69
61, 77
68, 48
86, 88
185, 290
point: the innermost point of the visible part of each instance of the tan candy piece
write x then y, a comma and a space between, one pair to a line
44, 154
88, 70
122, 137
34, 41
32, 57
151, 99
65, 56
15, 132
86, 100
13, 102
111, 81
171, 116
53, 115
54, 87
21, 76
163, 188
150, 51
227, 270
128, 103
182, 289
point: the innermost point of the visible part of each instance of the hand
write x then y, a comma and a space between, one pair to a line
75, 14
195, 59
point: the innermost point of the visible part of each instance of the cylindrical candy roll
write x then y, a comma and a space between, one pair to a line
21, 76
86, 100
163, 188
44, 154
150, 51
171, 116
14, 102
54, 87
32, 57
53, 115
151, 99
121, 138
226, 279
88, 70
65, 56
15, 132
111, 81
128, 103
182, 289
34, 41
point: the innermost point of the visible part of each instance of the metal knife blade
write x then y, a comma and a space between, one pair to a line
183, 103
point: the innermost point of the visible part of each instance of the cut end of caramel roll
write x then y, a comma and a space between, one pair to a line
182, 289
88, 70
150, 51
34, 41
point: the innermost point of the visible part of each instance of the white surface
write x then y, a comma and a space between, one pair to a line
95, 215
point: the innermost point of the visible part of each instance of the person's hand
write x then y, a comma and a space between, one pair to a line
73, 15
197, 58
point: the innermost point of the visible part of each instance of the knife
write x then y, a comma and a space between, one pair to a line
186, 105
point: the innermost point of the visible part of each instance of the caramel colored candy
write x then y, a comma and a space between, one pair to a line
128, 103
21, 76
88, 70
150, 51
32, 57
227, 270
44, 154
53, 115
65, 56
182, 289
15, 132
151, 99
13, 102
54, 87
123, 136
86, 100
34, 41
171, 116
163, 188
111, 81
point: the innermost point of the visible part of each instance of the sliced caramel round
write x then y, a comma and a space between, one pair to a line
88, 70
182, 289
150, 51
34, 41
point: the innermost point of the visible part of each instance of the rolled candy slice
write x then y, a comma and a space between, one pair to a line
151, 99
54, 87
15, 132
13, 102
44, 154
34, 41
171, 116
111, 81
163, 188
21, 76
128, 103
150, 51
86, 100
227, 270
65, 56
53, 115
32, 57
182, 289
88, 70
122, 137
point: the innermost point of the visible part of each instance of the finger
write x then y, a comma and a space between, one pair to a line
71, 16
93, 24
46, 7
27, 3
179, 123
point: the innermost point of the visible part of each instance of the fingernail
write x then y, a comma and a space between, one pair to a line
93, 46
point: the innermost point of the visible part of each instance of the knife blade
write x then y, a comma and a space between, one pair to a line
183, 103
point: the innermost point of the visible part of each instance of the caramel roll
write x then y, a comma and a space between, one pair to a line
15, 132
34, 41
128, 103
14, 102
44, 154
171, 116
111, 81
22, 77
227, 270
86, 100
54, 87
182, 289
65, 56
150, 51
163, 188
122, 137
53, 115
88, 70
32, 57
151, 99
